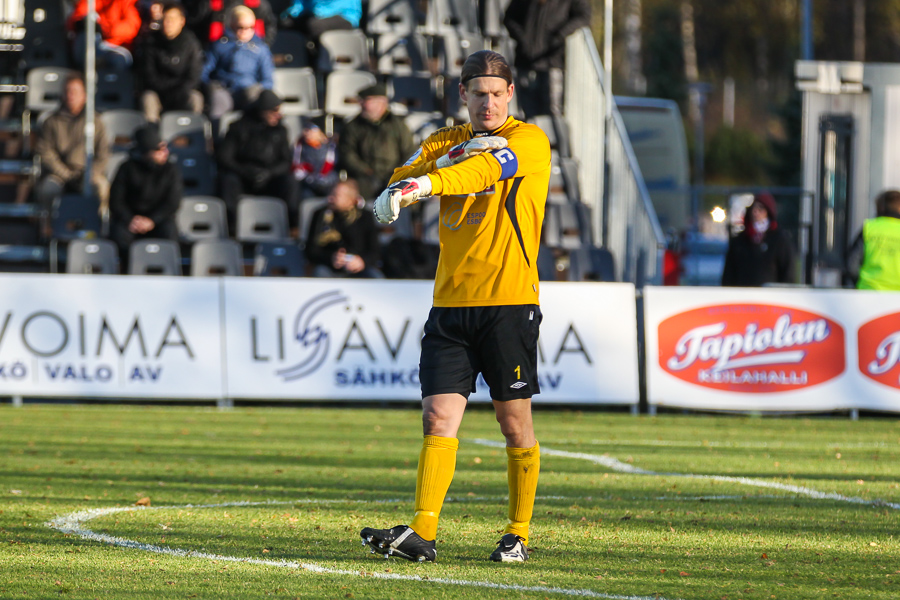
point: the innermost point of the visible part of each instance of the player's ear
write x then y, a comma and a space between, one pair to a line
510, 91
463, 92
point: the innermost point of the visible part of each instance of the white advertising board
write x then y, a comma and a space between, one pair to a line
772, 349
109, 336
341, 339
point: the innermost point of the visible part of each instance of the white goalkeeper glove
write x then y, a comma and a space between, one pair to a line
400, 195
468, 149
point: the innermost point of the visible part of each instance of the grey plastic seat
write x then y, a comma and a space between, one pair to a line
186, 132
115, 89
120, 125
197, 172
45, 87
278, 259
98, 257
297, 90
201, 218
307, 208
391, 16
45, 34
342, 91
225, 122
261, 219
113, 162
423, 124
451, 15
456, 46
415, 92
343, 49
401, 53
212, 258
154, 257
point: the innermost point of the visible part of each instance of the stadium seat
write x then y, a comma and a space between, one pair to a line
297, 90
120, 124
289, 50
546, 263
391, 16
97, 256
342, 95
591, 264
113, 162
569, 169
74, 216
451, 15
416, 93
154, 257
262, 219
114, 89
45, 88
293, 124
197, 172
491, 17
278, 259
201, 218
343, 49
186, 132
45, 34
211, 258
401, 53
456, 46
307, 208
423, 124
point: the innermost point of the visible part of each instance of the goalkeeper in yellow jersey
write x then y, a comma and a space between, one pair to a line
492, 177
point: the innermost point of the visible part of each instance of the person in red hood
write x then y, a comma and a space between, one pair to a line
118, 23
762, 253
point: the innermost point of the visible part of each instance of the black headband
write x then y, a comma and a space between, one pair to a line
471, 77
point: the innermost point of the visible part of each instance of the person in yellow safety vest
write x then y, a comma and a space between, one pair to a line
873, 262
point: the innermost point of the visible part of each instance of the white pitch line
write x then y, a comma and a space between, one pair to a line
73, 524
617, 465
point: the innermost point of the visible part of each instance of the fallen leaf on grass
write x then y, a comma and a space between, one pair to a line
145, 501
683, 574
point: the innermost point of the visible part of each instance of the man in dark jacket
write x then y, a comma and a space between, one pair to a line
170, 64
374, 143
540, 28
761, 253
145, 194
255, 157
343, 236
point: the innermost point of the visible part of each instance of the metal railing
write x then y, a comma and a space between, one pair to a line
624, 220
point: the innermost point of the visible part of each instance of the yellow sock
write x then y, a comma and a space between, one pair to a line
437, 463
522, 469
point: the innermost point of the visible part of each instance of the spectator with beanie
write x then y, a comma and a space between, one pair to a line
343, 236
314, 161
237, 67
540, 28
873, 262
61, 146
761, 253
374, 142
255, 157
145, 194
170, 65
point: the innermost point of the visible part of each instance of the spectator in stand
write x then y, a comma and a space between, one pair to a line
374, 142
170, 64
197, 14
873, 262
146, 193
314, 161
312, 18
265, 26
255, 157
237, 67
761, 253
540, 28
61, 148
343, 236
118, 23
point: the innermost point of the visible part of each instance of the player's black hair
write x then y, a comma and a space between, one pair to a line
486, 63
886, 202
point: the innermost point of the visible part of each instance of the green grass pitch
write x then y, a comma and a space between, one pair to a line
290, 488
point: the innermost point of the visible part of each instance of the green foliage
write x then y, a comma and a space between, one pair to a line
329, 472
664, 59
784, 167
736, 156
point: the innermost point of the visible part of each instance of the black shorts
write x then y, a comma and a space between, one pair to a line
500, 342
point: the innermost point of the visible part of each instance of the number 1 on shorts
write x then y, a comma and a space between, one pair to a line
518, 371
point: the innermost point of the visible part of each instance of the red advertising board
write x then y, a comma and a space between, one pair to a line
879, 350
751, 347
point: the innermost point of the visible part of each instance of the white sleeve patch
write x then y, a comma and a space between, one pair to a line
413, 158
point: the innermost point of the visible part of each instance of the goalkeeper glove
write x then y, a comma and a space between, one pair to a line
468, 149
400, 195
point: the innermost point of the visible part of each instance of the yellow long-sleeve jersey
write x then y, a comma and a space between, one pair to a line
492, 209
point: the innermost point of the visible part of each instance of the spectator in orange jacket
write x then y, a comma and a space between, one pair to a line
118, 23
